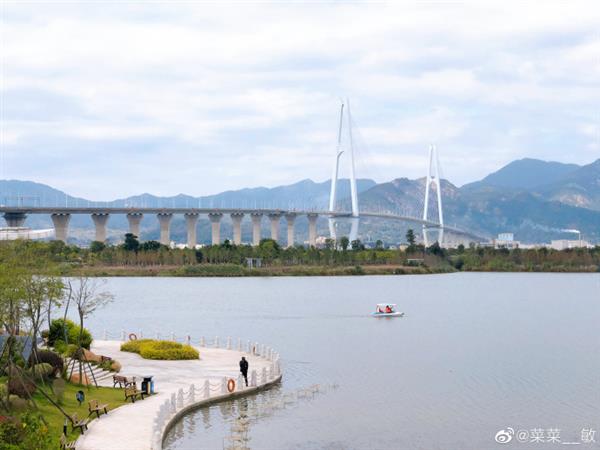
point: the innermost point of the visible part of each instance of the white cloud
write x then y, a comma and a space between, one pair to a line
246, 94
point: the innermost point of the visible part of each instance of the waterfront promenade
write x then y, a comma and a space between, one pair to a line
141, 425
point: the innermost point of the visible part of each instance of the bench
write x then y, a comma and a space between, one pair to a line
95, 407
123, 381
132, 393
64, 444
81, 424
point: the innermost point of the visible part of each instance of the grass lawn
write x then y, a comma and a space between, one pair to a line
55, 419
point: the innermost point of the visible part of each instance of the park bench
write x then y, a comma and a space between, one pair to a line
123, 381
95, 407
77, 423
132, 393
64, 444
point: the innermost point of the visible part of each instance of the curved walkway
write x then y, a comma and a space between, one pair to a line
134, 426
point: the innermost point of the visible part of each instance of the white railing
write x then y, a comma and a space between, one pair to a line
195, 395
248, 347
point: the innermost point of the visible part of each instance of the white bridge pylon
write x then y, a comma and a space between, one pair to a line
354, 218
433, 178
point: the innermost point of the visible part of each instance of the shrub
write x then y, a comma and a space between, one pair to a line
134, 346
166, 352
21, 387
42, 371
27, 433
57, 333
162, 350
49, 357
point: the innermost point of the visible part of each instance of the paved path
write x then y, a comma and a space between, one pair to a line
130, 427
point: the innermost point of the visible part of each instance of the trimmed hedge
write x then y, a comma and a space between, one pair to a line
161, 350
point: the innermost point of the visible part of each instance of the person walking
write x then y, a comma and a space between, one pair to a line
244, 369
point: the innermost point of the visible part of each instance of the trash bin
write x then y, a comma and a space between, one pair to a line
148, 385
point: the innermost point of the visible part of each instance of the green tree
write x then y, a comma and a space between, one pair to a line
131, 243
410, 238
344, 243
379, 244
97, 246
357, 245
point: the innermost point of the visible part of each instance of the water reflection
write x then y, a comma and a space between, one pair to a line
237, 416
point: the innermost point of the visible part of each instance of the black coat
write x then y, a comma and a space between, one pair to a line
244, 366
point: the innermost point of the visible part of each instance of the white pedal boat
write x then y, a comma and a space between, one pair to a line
386, 310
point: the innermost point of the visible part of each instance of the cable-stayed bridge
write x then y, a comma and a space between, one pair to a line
15, 216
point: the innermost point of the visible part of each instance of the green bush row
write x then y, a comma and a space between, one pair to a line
161, 350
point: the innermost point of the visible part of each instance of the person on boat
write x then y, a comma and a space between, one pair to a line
244, 369
388, 309
379, 310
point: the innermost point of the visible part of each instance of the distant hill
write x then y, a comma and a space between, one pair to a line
525, 174
533, 199
580, 187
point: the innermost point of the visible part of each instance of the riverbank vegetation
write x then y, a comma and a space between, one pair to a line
133, 258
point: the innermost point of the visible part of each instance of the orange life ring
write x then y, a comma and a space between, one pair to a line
132, 337
231, 385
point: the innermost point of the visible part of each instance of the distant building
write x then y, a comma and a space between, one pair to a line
563, 244
13, 233
506, 240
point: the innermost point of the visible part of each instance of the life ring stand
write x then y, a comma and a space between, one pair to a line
132, 337
231, 385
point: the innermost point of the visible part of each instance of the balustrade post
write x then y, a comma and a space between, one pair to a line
180, 398
123, 335
105, 335
224, 385
192, 393
256, 349
202, 343
141, 335
216, 341
173, 405
253, 378
263, 376
239, 344
206, 389
188, 340
172, 336
249, 347
240, 383
229, 343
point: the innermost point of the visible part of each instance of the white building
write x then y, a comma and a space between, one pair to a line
506, 240
563, 244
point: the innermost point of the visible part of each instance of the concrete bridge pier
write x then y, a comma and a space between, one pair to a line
312, 229
275, 219
290, 219
236, 218
215, 222
15, 219
134, 220
164, 219
256, 222
191, 219
61, 225
100, 220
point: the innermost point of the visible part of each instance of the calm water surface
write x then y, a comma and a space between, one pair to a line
475, 353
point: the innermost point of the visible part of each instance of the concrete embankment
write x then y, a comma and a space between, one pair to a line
181, 386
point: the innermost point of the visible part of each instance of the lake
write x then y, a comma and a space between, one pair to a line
476, 353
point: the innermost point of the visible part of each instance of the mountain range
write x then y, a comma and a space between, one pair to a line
534, 199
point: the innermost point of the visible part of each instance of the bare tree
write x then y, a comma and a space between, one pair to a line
87, 295
40, 293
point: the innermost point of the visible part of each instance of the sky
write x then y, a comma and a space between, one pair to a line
107, 99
